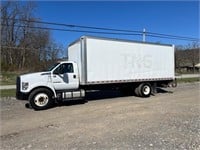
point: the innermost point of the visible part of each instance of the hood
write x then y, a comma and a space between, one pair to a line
35, 77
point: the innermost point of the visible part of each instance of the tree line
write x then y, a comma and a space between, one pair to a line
22, 47
187, 56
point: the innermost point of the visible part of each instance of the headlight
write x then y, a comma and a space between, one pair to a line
24, 85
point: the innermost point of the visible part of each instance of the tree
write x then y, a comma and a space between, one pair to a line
188, 55
24, 44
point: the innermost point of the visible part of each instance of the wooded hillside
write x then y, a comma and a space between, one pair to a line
188, 57
22, 47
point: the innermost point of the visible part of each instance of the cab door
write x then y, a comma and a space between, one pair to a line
65, 77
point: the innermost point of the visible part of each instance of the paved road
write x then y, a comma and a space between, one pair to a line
170, 120
188, 76
6, 87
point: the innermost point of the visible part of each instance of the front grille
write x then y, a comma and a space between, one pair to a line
18, 84
19, 94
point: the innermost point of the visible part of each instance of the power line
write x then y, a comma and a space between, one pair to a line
167, 37
76, 26
69, 30
173, 36
98, 32
118, 31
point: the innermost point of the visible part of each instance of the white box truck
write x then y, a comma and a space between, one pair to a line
100, 63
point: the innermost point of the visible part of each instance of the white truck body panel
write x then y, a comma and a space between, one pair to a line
103, 60
75, 55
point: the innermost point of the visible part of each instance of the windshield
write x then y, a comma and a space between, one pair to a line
52, 67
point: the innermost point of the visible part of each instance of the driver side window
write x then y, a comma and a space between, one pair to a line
64, 68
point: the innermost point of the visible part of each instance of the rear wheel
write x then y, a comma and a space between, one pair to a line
143, 90
41, 99
136, 91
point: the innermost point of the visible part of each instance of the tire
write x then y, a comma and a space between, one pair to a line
144, 89
41, 99
136, 91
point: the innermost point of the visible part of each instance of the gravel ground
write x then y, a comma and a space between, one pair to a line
169, 120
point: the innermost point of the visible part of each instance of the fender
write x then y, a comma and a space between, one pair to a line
47, 87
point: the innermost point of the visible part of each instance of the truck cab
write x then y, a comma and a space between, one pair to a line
43, 88
64, 76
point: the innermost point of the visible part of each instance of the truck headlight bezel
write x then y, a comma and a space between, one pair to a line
25, 85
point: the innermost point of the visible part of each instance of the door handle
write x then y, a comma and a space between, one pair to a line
74, 76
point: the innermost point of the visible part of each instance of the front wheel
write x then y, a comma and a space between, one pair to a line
41, 99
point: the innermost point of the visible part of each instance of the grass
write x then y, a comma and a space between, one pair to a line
184, 80
8, 93
8, 78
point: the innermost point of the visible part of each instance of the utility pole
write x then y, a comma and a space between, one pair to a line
144, 35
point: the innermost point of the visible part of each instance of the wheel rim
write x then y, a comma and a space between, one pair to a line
41, 99
146, 90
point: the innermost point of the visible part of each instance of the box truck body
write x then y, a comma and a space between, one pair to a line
100, 63
113, 61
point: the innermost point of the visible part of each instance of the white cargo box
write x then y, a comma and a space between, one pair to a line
102, 60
